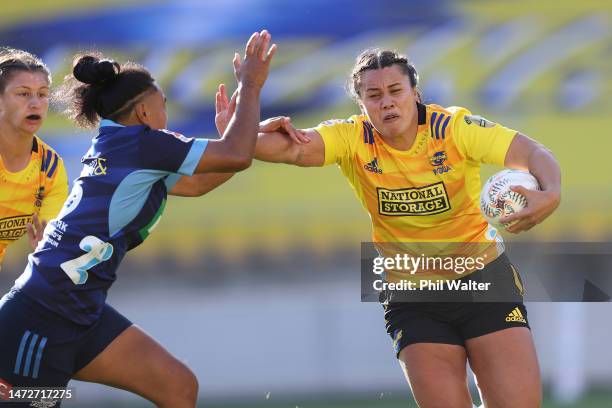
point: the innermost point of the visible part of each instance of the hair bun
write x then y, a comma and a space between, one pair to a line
92, 70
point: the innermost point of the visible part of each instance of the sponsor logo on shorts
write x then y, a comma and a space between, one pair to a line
426, 200
516, 316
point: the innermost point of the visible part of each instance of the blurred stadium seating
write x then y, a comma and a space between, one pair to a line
540, 68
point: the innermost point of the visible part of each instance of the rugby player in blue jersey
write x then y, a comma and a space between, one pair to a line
55, 322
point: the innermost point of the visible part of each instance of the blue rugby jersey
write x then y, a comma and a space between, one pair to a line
113, 206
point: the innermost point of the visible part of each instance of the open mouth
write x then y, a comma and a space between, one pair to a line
33, 117
390, 117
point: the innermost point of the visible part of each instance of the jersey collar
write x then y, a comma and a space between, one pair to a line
422, 111
108, 122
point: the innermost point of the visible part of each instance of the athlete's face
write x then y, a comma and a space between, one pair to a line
25, 102
389, 100
153, 110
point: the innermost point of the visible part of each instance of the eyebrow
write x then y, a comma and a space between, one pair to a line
27, 87
390, 86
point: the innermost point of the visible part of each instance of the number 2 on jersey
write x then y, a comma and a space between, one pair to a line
96, 251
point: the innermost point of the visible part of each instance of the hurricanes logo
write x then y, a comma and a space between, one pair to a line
427, 200
437, 160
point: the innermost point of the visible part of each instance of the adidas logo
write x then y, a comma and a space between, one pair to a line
516, 316
373, 166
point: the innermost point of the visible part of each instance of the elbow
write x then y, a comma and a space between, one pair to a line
240, 163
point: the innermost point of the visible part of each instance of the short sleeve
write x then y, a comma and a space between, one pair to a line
480, 139
170, 151
337, 136
58, 191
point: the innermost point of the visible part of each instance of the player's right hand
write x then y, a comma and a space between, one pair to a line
253, 70
35, 230
283, 125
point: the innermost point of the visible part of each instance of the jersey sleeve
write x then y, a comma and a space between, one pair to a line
338, 136
58, 192
169, 151
479, 139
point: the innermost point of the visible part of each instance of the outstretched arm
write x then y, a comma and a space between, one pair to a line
198, 184
279, 142
234, 151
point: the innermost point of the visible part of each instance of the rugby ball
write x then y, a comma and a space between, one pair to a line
496, 198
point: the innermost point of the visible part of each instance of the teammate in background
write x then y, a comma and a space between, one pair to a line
55, 322
398, 146
33, 181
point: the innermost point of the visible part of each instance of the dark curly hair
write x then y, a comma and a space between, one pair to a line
102, 88
377, 58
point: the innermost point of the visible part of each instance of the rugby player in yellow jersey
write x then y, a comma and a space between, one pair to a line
33, 180
415, 168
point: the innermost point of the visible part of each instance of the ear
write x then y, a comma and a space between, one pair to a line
363, 112
140, 110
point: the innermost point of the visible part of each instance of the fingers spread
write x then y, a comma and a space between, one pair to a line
217, 102
271, 52
232, 103
251, 44
263, 46
31, 231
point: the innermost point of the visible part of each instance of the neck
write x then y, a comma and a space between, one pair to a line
404, 141
15, 148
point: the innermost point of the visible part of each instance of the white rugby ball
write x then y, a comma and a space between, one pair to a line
496, 198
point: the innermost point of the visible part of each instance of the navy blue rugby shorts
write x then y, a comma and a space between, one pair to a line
39, 348
455, 322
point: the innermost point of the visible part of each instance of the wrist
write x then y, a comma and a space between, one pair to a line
249, 86
554, 193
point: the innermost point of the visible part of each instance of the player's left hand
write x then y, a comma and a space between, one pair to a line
540, 204
283, 125
35, 230
224, 108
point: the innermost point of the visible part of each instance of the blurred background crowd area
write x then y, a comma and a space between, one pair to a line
211, 266
538, 67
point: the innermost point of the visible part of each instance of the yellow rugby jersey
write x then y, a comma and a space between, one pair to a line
41, 187
429, 193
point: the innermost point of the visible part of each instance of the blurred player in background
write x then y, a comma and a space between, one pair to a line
55, 322
399, 148
33, 180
